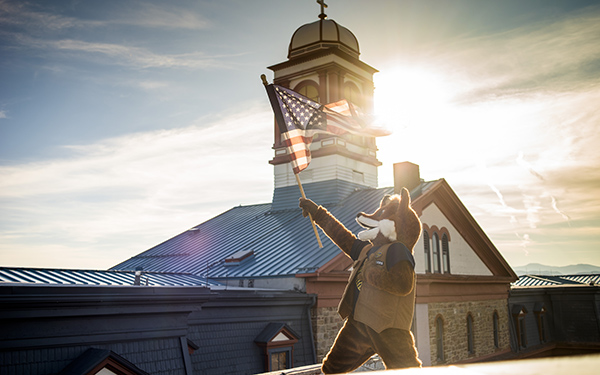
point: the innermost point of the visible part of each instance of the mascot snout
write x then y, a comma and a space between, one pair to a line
373, 227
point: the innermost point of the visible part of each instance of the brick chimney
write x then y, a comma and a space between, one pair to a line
406, 174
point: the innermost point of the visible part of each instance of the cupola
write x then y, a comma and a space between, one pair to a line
322, 34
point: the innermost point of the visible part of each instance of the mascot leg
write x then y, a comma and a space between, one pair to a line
350, 350
396, 347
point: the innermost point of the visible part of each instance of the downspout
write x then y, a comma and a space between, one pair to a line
310, 327
187, 361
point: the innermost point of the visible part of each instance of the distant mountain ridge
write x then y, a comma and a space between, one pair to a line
541, 269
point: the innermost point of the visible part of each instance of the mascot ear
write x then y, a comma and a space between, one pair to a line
404, 197
385, 200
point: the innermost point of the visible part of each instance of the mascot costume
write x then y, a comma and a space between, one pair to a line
379, 299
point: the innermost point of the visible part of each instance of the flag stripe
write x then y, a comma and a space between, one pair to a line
300, 118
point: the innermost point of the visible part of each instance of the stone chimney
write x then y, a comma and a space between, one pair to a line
406, 174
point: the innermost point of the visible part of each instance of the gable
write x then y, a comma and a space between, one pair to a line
101, 361
450, 206
463, 258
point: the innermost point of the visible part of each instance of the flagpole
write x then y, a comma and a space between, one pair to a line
309, 215
312, 222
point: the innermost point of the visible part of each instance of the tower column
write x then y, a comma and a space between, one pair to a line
334, 86
323, 87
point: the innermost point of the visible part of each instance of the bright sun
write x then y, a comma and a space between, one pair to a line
415, 104
431, 128
403, 96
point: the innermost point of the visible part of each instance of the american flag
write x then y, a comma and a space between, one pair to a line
300, 118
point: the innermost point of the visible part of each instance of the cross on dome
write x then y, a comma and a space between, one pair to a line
323, 6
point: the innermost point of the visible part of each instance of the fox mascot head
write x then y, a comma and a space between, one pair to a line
393, 221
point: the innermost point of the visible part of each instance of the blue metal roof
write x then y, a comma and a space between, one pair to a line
282, 241
324, 192
561, 280
97, 277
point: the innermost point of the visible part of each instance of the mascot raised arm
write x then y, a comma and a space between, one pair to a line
379, 299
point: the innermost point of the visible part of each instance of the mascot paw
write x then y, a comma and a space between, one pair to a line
308, 207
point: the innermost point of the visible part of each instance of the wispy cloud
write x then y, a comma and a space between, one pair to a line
559, 56
25, 16
120, 196
153, 16
118, 54
34, 18
34, 27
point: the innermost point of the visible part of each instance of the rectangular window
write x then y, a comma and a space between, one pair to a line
280, 360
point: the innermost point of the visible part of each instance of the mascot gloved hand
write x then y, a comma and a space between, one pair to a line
308, 207
378, 303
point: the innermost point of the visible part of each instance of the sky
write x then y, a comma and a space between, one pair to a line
124, 123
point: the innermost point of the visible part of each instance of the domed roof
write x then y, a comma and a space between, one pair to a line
322, 34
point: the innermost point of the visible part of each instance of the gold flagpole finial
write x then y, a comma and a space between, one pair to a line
264, 79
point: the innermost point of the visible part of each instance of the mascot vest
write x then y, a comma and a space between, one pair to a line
374, 307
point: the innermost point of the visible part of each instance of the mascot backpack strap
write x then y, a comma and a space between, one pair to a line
397, 253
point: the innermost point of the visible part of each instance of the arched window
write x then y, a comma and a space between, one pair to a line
445, 254
352, 94
470, 335
519, 312
439, 338
540, 312
435, 247
427, 251
496, 323
308, 89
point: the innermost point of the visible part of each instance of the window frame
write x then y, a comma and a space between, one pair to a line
435, 252
427, 251
445, 254
519, 313
288, 350
496, 328
439, 339
540, 317
305, 85
352, 94
274, 339
470, 334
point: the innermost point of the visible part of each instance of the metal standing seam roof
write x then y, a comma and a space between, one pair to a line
282, 242
97, 277
560, 280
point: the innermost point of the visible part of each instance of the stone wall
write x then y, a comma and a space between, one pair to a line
454, 316
326, 324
